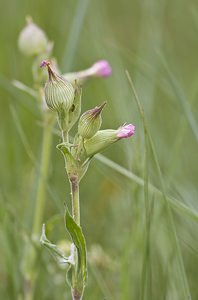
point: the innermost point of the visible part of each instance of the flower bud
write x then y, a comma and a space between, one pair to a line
99, 69
59, 94
103, 138
90, 122
32, 39
126, 131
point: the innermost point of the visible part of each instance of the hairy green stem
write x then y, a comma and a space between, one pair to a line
65, 136
74, 183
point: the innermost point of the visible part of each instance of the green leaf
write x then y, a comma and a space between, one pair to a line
22, 87
78, 239
63, 147
55, 251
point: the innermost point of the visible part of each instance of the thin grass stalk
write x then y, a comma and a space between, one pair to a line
177, 205
74, 34
179, 93
147, 217
169, 212
102, 284
40, 200
43, 174
29, 151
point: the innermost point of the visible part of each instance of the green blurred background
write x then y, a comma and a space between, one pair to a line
157, 42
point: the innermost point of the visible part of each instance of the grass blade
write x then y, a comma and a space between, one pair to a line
166, 202
181, 97
174, 203
30, 153
146, 250
21, 86
71, 44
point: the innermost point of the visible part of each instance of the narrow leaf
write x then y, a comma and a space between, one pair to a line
78, 239
22, 87
54, 250
174, 236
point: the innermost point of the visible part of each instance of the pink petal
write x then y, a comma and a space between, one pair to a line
126, 131
102, 68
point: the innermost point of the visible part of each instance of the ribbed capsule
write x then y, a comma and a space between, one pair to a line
90, 122
59, 93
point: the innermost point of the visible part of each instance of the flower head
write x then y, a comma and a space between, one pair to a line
101, 69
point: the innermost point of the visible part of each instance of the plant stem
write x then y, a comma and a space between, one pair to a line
44, 168
39, 205
74, 183
65, 136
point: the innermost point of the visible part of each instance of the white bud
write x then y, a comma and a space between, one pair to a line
32, 39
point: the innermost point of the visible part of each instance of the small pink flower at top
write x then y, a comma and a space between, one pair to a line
101, 69
44, 63
126, 131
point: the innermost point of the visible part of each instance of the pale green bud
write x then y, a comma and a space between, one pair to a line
32, 39
90, 122
101, 140
100, 68
59, 94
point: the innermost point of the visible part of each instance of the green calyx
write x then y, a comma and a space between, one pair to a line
90, 122
75, 110
101, 140
59, 94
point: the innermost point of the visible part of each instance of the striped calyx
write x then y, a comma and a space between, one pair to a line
90, 122
103, 138
59, 93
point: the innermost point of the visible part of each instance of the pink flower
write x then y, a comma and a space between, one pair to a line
101, 69
125, 131
44, 63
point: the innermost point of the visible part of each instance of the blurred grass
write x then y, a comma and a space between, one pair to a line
130, 34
